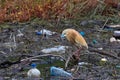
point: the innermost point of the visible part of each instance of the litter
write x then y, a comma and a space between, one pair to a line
118, 66
100, 48
82, 33
94, 41
113, 39
20, 33
54, 71
103, 59
33, 72
82, 63
116, 33
112, 27
58, 49
44, 31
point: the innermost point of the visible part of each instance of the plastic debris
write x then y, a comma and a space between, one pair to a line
82, 33
118, 40
46, 32
106, 27
33, 65
34, 72
112, 27
104, 60
54, 71
118, 66
100, 48
116, 33
58, 49
38, 33
95, 41
112, 39
20, 33
82, 63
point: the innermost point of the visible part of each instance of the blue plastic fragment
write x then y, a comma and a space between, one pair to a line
38, 33
95, 41
33, 65
54, 71
82, 33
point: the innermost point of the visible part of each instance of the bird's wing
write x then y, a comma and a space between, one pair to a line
71, 37
80, 41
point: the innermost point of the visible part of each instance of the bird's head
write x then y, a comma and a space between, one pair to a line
64, 33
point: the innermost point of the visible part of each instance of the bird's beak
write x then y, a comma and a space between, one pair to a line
62, 36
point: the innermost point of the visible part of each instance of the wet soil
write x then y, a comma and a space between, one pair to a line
15, 47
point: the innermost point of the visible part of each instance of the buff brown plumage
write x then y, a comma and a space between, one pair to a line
75, 38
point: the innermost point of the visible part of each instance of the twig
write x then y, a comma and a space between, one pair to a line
14, 41
42, 56
3, 52
67, 61
103, 53
10, 41
105, 23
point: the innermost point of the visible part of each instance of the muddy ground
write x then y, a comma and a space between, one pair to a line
14, 48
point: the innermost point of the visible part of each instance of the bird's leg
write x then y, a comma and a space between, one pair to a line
76, 54
75, 57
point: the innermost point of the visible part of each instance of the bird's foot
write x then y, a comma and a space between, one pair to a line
76, 56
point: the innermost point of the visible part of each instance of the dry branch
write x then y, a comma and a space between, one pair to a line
104, 53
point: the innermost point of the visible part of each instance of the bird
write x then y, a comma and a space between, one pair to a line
75, 38
34, 72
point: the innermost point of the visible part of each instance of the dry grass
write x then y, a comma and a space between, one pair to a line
19, 11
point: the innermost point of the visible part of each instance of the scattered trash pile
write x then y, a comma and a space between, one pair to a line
44, 47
